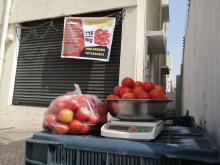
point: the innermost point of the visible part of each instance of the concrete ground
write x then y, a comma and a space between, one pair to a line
15, 127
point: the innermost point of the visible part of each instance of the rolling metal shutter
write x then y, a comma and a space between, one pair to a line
42, 75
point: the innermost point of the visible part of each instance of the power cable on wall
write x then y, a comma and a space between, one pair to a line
33, 30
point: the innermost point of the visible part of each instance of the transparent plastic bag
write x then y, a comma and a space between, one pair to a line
75, 113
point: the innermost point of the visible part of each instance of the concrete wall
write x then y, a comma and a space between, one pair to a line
26, 10
2, 6
134, 44
201, 80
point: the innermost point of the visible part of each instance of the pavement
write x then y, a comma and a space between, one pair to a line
17, 125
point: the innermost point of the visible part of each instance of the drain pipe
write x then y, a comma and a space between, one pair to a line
4, 34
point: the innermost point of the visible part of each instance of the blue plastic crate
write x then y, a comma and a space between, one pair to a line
176, 145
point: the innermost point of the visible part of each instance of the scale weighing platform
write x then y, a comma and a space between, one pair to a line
132, 130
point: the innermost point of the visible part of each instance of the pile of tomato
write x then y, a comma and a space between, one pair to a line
102, 37
130, 89
77, 114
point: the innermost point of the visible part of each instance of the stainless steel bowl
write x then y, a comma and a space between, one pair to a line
137, 109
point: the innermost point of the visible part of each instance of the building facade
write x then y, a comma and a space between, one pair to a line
142, 33
201, 80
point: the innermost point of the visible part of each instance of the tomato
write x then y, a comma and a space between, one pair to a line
112, 97
46, 126
50, 120
94, 119
148, 86
137, 89
83, 101
138, 84
124, 90
61, 128
82, 114
102, 109
143, 95
65, 116
72, 103
61, 103
127, 82
75, 126
157, 93
117, 90
160, 87
85, 129
128, 96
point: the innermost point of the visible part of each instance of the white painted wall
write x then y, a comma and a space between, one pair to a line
201, 74
26, 10
2, 6
134, 43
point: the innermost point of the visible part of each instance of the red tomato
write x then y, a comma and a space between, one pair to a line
72, 103
124, 90
102, 109
143, 95
112, 97
61, 103
137, 89
85, 129
82, 114
83, 101
148, 86
75, 126
138, 84
160, 87
157, 94
50, 119
46, 126
117, 90
128, 96
61, 128
127, 82
94, 119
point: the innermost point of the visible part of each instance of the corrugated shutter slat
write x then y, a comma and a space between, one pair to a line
42, 75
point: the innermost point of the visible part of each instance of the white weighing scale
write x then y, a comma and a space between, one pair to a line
147, 130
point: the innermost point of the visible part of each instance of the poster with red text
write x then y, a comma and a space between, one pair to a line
88, 38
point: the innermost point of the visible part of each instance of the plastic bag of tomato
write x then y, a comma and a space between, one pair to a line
130, 89
75, 113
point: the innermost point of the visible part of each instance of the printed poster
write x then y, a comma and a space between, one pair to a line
88, 38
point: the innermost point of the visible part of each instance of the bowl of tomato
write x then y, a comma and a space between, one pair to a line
141, 109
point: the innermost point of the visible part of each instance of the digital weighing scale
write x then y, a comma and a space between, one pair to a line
147, 130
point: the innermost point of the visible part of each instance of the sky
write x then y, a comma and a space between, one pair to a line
176, 31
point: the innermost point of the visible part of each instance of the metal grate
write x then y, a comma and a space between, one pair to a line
63, 156
42, 75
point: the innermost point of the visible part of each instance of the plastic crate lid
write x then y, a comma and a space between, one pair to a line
197, 148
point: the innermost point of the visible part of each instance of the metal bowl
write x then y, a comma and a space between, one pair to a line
137, 109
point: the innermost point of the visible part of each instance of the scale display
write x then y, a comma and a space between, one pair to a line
131, 129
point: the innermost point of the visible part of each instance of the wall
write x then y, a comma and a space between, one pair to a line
2, 6
28, 12
201, 80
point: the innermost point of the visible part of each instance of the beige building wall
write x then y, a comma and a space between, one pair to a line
2, 8
134, 41
201, 73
